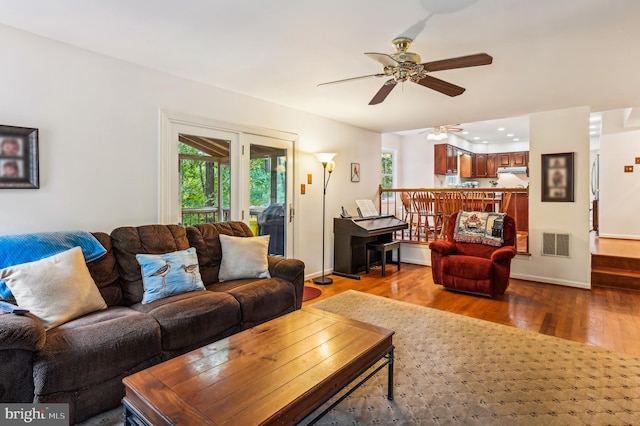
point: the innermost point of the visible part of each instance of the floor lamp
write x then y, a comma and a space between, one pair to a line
328, 166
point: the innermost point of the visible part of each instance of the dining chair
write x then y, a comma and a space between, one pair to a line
424, 206
409, 212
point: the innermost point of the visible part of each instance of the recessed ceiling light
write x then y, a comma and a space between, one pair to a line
475, 138
501, 129
593, 127
593, 133
516, 139
465, 133
510, 135
485, 142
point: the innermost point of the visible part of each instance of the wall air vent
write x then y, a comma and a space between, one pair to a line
555, 244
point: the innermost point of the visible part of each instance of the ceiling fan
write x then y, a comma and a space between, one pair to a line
403, 65
440, 132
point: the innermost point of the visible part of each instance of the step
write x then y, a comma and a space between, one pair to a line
616, 262
615, 277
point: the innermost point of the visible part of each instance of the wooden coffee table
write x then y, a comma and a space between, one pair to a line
277, 372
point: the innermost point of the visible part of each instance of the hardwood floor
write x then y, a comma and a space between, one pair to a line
604, 317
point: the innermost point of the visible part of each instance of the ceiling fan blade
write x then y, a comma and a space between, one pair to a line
460, 62
441, 86
352, 79
383, 58
383, 92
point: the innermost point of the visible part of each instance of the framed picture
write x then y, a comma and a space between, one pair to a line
18, 157
557, 177
355, 172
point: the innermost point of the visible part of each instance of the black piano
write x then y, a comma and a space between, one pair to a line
351, 235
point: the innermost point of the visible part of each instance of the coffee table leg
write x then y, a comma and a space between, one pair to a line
390, 377
130, 416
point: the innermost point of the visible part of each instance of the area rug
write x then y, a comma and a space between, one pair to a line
455, 370
310, 293
451, 369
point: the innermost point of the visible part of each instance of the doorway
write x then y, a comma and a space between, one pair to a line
209, 173
270, 190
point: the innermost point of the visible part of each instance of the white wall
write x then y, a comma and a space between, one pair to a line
619, 201
98, 121
417, 165
554, 132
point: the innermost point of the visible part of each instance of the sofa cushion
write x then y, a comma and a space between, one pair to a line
168, 274
55, 289
260, 300
205, 239
244, 257
150, 239
95, 348
190, 318
105, 272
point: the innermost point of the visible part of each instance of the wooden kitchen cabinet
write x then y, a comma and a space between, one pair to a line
466, 166
518, 159
452, 160
492, 165
480, 165
440, 159
504, 159
471, 165
445, 159
519, 210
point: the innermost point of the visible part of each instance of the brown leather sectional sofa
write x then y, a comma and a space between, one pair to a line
82, 362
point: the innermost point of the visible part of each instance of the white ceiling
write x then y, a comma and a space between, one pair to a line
548, 54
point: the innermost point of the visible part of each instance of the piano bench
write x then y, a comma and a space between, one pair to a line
383, 248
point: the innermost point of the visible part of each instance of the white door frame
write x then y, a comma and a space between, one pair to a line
172, 123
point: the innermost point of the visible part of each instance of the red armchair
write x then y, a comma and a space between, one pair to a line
473, 267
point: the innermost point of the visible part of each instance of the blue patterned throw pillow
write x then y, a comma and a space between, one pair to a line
164, 275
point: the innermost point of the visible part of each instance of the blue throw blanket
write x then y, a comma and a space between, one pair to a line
23, 248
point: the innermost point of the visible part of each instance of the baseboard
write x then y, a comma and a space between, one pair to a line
619, 236
547, 280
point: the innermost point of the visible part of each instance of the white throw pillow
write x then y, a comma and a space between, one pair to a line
244, 257
56, 289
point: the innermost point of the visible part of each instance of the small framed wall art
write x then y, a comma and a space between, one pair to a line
557, 177
19, 157
355, 172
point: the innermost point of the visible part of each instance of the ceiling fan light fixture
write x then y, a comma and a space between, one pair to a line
437, 136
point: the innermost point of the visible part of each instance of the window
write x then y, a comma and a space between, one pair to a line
204, 180
387, 172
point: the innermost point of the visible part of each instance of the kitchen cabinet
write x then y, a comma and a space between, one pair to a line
518, 159
504, 159
440, 159
466, 165
480, 165
519, 210
452, 160
445, 159
492, 165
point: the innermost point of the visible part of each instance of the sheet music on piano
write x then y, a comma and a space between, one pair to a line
366, 208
